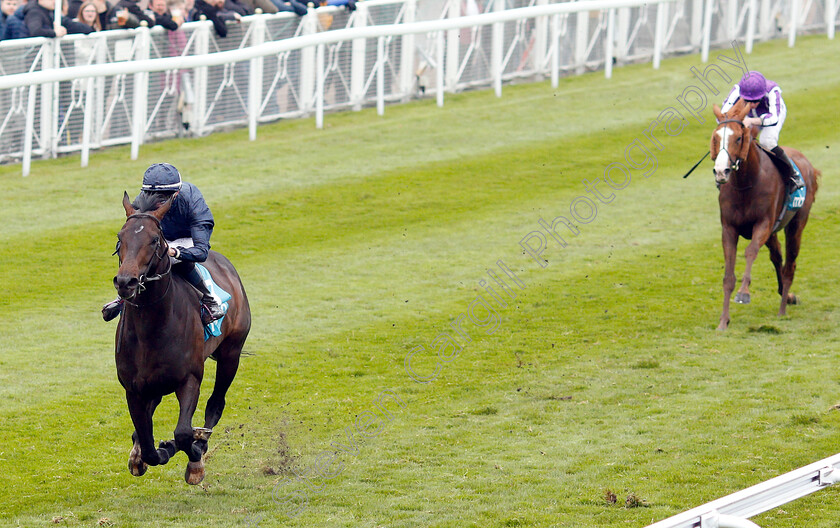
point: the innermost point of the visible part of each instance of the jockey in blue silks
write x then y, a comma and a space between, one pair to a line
186, 227
769, 114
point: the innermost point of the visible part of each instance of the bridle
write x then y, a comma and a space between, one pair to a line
736, 163
147, 276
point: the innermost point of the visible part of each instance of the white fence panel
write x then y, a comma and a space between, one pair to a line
149, 84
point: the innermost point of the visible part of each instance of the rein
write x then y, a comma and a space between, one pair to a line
145, 277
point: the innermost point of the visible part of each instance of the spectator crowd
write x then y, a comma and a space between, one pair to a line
36, 18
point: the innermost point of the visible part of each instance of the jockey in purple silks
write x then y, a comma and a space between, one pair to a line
187, 227
769, 115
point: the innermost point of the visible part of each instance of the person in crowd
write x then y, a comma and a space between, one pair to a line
13, 26
238, 7
215, 12
39, 17
89, 15
163, 16
299, 8
102, 9
127, 14
7, 11
183, 8
349, 5
265, 5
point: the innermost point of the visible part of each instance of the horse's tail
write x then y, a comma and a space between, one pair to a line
817, 178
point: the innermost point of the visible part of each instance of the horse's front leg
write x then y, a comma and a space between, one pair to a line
759, 236
730, 246
185, 436
141, 411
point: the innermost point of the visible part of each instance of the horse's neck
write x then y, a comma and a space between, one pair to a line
748, 173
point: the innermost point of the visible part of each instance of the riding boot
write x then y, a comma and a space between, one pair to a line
212, 309
112, 309
792, 177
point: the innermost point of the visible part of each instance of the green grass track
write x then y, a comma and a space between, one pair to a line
604, 378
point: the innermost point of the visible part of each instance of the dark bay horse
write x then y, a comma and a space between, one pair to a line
160, 346
752, 197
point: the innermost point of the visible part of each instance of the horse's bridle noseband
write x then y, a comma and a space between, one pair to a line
146, 277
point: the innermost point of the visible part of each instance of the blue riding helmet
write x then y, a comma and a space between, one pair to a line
753, 86
161, 177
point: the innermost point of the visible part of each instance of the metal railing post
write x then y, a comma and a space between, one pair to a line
255, 78
320, 50
659, 34
453, 47
407, 67
202, 47
307, 63
608, 44
794, 22
141, 91
707, 30
752, 14
358, 57
497, 52
581, 39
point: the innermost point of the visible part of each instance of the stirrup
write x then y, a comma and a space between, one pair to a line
210, 311
112, 309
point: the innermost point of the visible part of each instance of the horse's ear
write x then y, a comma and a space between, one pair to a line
129, 209
718, 114
161, 211
742, 110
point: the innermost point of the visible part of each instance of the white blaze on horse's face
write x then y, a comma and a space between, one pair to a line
723, 163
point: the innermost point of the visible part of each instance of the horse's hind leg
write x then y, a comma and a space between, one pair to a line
793, 238
776, 258
227, 359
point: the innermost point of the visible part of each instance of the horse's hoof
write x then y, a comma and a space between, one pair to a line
138, 470
742, 298
135, 464
792, 299
195, 472
202, 433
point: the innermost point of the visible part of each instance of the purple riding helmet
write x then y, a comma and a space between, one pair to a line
753, 86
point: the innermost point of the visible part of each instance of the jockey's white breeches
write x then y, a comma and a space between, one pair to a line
769, 137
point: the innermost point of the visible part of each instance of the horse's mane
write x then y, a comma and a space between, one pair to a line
148, 201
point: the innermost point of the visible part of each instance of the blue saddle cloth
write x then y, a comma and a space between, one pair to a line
222, 297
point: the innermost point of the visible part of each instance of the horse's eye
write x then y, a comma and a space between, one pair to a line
117, 248
155, 240
738, 140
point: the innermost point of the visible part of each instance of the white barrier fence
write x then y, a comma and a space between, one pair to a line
131, 86
733, 511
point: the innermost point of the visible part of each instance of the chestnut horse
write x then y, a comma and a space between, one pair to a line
160, 346
752, 198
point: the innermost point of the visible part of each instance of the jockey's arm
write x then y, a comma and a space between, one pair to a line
200, 235
774, 104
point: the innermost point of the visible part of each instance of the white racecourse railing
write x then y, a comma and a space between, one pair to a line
734, 510
84, 92
80, 93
